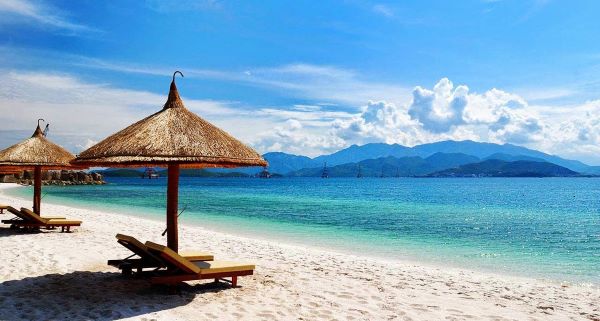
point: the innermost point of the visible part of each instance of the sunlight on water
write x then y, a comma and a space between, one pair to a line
547, 228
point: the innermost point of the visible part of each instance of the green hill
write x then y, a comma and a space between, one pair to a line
392, 166
500, 168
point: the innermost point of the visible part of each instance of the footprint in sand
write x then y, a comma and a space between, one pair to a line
266, 315
314, 304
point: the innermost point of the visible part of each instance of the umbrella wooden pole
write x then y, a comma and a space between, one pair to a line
172, 198
37, 189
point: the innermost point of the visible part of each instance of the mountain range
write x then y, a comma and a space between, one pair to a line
379, 159
285, 164
392, 166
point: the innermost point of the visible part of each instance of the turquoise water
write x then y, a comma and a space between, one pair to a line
546, 228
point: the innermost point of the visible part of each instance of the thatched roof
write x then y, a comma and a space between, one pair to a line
35, 151
172, 135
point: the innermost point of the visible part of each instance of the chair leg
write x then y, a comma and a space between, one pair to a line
127, 271
233, 281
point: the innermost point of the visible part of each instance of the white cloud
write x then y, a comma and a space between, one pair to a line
294, 137
307, 81
541, 94
572, 131
383, 10
167, 6
447, 112
380, 121
39, 13
440, 108
80, 112
88, 143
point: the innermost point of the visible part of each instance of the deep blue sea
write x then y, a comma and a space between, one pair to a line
545, 228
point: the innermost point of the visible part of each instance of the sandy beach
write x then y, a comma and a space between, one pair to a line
52, 275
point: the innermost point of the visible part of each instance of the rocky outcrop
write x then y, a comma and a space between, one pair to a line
62, 178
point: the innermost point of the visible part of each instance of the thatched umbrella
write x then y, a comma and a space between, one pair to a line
174, 138
36, 153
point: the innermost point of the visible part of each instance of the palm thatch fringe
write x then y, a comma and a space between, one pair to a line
172, 135
35, 151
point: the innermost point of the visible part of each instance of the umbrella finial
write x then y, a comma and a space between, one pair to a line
38, 130
174, 101
175, 73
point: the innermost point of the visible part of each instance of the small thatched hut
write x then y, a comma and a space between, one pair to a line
174, 137
36, 153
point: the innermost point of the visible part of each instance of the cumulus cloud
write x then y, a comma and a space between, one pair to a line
82, 113
572, 131
440, 108
441, 113
294, 137
444, 112
446, 107
379, 121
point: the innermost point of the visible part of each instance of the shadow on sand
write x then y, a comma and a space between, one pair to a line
90, 295
6, 231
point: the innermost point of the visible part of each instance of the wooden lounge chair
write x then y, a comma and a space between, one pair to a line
25, 216
180, 269
145, 258
29, 212
30, 220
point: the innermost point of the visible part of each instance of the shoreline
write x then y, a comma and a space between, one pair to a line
64, 275
271, 239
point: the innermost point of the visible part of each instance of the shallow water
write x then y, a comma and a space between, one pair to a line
546, 228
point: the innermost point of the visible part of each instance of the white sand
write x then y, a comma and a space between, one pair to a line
53, 275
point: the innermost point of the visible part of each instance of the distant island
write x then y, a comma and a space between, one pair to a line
500, 168
441, 159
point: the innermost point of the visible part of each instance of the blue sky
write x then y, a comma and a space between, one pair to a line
309, 77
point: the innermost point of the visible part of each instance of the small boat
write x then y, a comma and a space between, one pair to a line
325, 173
150, 173
264, 174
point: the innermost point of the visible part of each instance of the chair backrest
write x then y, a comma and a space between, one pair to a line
33, 217
17, 213
138, 248
173, 258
